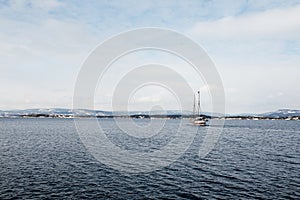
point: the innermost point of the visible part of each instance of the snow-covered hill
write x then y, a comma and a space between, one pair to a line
54, 112
282, 113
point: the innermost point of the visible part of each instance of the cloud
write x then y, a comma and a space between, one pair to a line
257, 55
275, 23
37, 59
255, 45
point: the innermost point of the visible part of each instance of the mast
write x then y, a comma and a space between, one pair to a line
199, 103
194, 107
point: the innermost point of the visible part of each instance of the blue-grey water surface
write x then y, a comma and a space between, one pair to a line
45, 159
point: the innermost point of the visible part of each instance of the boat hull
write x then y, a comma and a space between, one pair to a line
200, 122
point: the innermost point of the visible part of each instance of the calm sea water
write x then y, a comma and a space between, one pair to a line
44, 158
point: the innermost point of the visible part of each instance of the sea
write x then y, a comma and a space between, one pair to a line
45, 158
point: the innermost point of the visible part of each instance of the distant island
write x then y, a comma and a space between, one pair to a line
282, 114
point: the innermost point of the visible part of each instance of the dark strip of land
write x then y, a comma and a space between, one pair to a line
144, 116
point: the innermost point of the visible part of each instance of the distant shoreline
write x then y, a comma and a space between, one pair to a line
281, 114
143, 116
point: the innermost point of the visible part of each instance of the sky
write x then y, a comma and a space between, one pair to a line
255, 46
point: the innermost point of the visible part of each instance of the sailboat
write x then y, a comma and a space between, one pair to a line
198, 119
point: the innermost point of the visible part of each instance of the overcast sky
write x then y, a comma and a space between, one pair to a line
255, 46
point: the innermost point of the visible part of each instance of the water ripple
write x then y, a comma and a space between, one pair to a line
45, 159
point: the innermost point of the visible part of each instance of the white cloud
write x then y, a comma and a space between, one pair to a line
284, 22
257, 53
39, 59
